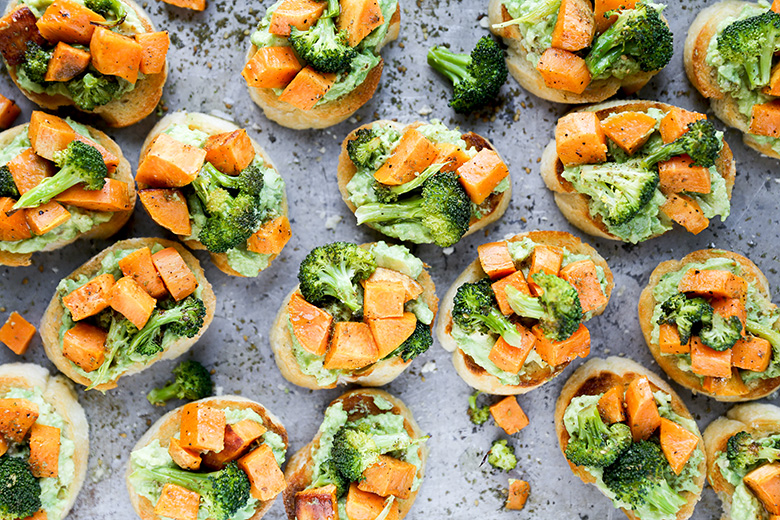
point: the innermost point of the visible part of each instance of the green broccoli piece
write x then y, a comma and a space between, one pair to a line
78, 163
622, 190
106, 7
475, 310
390, 194
595, 444
419, 342
701, 142
184, 320
640, 34
335, 271
764, 331
36, 62
689, 314
366, 149
323, 47
20, 491
476, 77
249, 181
558, 309
478, 415
329, 474
743, 452
355, 449
533, 13
443, 208
751, 43
191, 381
93, 90
7, 184
502, 456
721, 334
120, 330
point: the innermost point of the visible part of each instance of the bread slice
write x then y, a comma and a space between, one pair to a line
58, 392
599, 375
705, 78
104, 230
356, 403
758, 388
499, 202
473, 374
574, 205
52, 317
332, 112
125, 111
170, 424
211, 125
380, 373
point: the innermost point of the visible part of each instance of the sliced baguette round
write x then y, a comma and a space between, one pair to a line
599, 375
170, 424
346, 170
52, 318
574, 205
211, 125
58, 392
104, 230
125, 111
473, 374
758, 388
380, 373
705, 77
357, 403
332, 112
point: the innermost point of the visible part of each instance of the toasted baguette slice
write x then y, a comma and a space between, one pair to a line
125, 111
760, 420
758, 388
326, 114
170, 424
574, 205
380, 373
356, 402
52, 318
211, 125
346, 170
473, 374
599, 375
58, 392
705, 78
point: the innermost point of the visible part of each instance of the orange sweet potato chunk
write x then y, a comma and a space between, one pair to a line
677, 443
66, 63
28, 170
579, 139
359, 18
713, 283
544, 259
68, 21
46, 217
708, 362
84, 345
559, 352
310, 324
167, 207
90, 298
307, 88
230, 152
195, 5
265, 477
17, 333
271, 67
44, 450
351, 347
516, 280
301, 14
115, 54
686, 212
131, 300
583, 276
113, 197
175, 273
13, 227
318, 503
669, 341
202, 427
389, 477
17, 416
390, 333
629, 130
564, 70
384, 299
451, 155
413, 288
680, 174
575, 26
481, 174
764, 482
508, 415
602, 7
271, 238
773, 89
183, 457
177, 502
675, 123
154, 49
511, 359
766, 119
496, 260
48, 133
611, 405
238, 438
642, 411
413, 154
140, 267
9, 111
362, 505
518, 494
728, 307
751, 353
725, 386
170, 163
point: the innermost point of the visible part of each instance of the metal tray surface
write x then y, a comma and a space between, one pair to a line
207, 53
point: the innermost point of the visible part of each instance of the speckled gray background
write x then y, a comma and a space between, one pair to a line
206, 57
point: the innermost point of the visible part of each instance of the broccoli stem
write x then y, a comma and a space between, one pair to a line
549, 9
47, 189
342, 281
186, 479
152, 327
603, 61
762, 331
417, 181
498, 323
524, 305
452, 65
166, 393
378, 212
113, 342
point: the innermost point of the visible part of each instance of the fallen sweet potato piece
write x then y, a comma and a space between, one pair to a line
9, 111
68, 21
13, 227
167, 207
413, 154
271, 67
175, 273
67, 62
170, 163
84, 345
518, 494
139, 265
677, 444
113, 197
90, 298
351, 347
508, 415
265, 477
579, 139
17, 416
480, 175
44, 450
564, 70
28, 170
154, 49
307, 88
46, 217
131, 300
642, 411
195, 5
17, 333
271, 238
202, 427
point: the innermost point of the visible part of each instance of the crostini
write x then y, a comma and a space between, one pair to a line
624, 430
313, 64
629, 170
101, 56
710, 324
44, 443
139, 301
731, 58
742, 450
205, 180
422, 182
59, 181
360, 315
367, 459
235, 441
505, 334
568, 52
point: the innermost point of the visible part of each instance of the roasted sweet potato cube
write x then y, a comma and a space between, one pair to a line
9, 111
266, 478
318, 503
575, 26
183, 457
68, 21
49, 134
140, 267
154, 49
713, 283
13, 227
390, 333
202, 427
230, 152
301, 14
642, 411
310, 324
773, 89
518, 494
751, 353
384, 299
389, 476
680, 174
46, 217
44, 450
602, 7
764, 482
178, 503
131, 300
413, 154
611, 405
413, 288
90, 298
765, 119
17, 333
544, 259
629, 130
669, 341
271, 67
776, 6
271, 238
16, 418
238, 438
359, 18
451, 155
195, 5
67, 62
686, 212
307, 88
728, 307
511, 359
16, 29
84, 345
362, 505
564, 70
579, 139
170, 163
583, 276
708, 362
725, 386
28, 170
675, 123
351, 347
480, 175
516, 280
556, 353
168, 208
508, 415
115, 54
496, 260
677, 444
175, 273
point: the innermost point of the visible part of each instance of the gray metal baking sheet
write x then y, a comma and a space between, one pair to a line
206, 57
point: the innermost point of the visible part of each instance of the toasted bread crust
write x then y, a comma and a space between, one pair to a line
758, 388
599, 375
574, 205
299, 468
169, 424
473, 374
52, 318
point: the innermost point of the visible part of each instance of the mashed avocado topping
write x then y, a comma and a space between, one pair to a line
539, 19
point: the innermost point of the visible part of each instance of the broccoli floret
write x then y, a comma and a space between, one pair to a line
249, 181
78, 163
478, 415
20, 491
183, 320
638, 478
366, 148
222, 492
36, 62
7, 185
419, 342
323, 47
689, 314
701, 142
751, 43
640, 34
595, 444
106, 7
476, 77
356, 449
743, 452
502, 456
721, 334
335, 271
192, 381
621, 189
329, 474
390, 194
475, 310
93, 90
443, 207
558, 309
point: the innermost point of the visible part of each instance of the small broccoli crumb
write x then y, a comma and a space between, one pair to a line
502, 456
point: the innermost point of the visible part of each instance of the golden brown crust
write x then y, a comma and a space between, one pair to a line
170, 424
52, 317
473, 374
574, 206
758, 388
299, 468
599, 375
